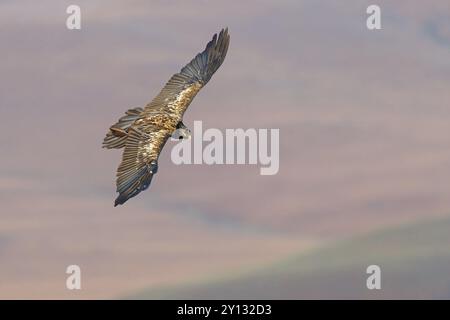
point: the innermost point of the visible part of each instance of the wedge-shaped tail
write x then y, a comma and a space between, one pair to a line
118, 132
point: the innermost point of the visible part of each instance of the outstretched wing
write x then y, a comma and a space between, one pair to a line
146, 137
139, 160
182, 87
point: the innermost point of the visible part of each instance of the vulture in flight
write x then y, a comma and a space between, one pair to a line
143, 132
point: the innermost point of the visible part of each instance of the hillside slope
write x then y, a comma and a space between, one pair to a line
414, 261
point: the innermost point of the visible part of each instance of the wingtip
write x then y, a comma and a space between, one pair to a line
120, 200
224, 31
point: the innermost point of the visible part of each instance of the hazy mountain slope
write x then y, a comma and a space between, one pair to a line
414, 262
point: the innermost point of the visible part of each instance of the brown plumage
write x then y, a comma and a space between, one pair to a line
143, 132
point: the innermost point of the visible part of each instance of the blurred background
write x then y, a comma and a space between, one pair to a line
364, 151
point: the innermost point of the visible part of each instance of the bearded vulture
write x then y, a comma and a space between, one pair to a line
143, 132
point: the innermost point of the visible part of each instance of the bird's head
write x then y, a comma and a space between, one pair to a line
182, 134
